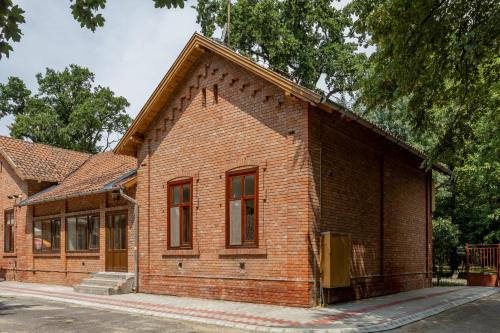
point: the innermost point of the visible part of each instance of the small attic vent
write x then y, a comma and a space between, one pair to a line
216, 94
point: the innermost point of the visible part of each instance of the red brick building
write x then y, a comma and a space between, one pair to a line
239, 171
54, 206
218, 120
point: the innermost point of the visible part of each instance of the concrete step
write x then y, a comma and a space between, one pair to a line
112, 275
102, 282
94, 290
106, 283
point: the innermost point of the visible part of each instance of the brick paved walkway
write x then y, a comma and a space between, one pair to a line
370, 315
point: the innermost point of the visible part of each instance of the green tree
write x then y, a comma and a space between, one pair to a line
445, 241
306, 40
472, 196
68, 111
434, 80
86, 12
439, 57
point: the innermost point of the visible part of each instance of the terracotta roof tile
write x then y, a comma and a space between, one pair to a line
40, 162
100, 173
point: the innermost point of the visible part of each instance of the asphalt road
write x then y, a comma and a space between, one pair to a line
21, 314
481, 316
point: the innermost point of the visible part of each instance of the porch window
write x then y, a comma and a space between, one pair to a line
47, 235
180, 221
82, 233
9, 231
241, 208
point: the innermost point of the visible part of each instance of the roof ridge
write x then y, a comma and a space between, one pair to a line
45, 145
76, 169
88, 160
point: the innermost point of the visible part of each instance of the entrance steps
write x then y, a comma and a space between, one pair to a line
106, 283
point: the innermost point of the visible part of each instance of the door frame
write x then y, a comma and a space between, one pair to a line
107, 234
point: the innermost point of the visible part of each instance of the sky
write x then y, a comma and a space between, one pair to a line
130, 54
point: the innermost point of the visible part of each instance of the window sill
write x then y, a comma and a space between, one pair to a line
181, 253
46, 255
242, 251
10, 255
82, 254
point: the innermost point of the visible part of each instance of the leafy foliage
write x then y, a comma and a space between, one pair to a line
86, 12
440, 57
445, 240
472, 196
434, 80
11, 16
306, 40
68, 110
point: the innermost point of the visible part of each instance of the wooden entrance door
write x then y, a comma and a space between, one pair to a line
116, 242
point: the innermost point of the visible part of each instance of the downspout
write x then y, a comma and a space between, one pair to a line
136, 237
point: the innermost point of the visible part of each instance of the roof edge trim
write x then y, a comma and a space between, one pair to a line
12, 164
64, 197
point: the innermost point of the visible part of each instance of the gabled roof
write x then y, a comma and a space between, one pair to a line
194, 49
34, 161
100, 173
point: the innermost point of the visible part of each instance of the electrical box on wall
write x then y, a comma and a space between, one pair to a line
335, 260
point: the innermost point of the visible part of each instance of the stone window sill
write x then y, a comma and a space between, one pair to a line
243, 251
82, 254
181, 253
46, 255
10, 255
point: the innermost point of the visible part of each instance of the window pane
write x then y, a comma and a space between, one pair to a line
235, 222
236, 187
94, 232
176, 195
81, 233
174, 227
249, 185
9, 231
37, 235
249, 220
9, 246
10, 218
185, 193
186, 228
120, 232
56, 235
71, 232
117, 233
123, 221
46, 235
109, 229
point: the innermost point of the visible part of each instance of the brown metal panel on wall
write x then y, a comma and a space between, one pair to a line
335, 260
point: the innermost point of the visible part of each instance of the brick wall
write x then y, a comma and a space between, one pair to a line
252, 124
375, 191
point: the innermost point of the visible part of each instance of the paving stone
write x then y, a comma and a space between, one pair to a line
369, 315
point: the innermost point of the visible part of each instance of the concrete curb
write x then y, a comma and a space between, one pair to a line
390, 323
